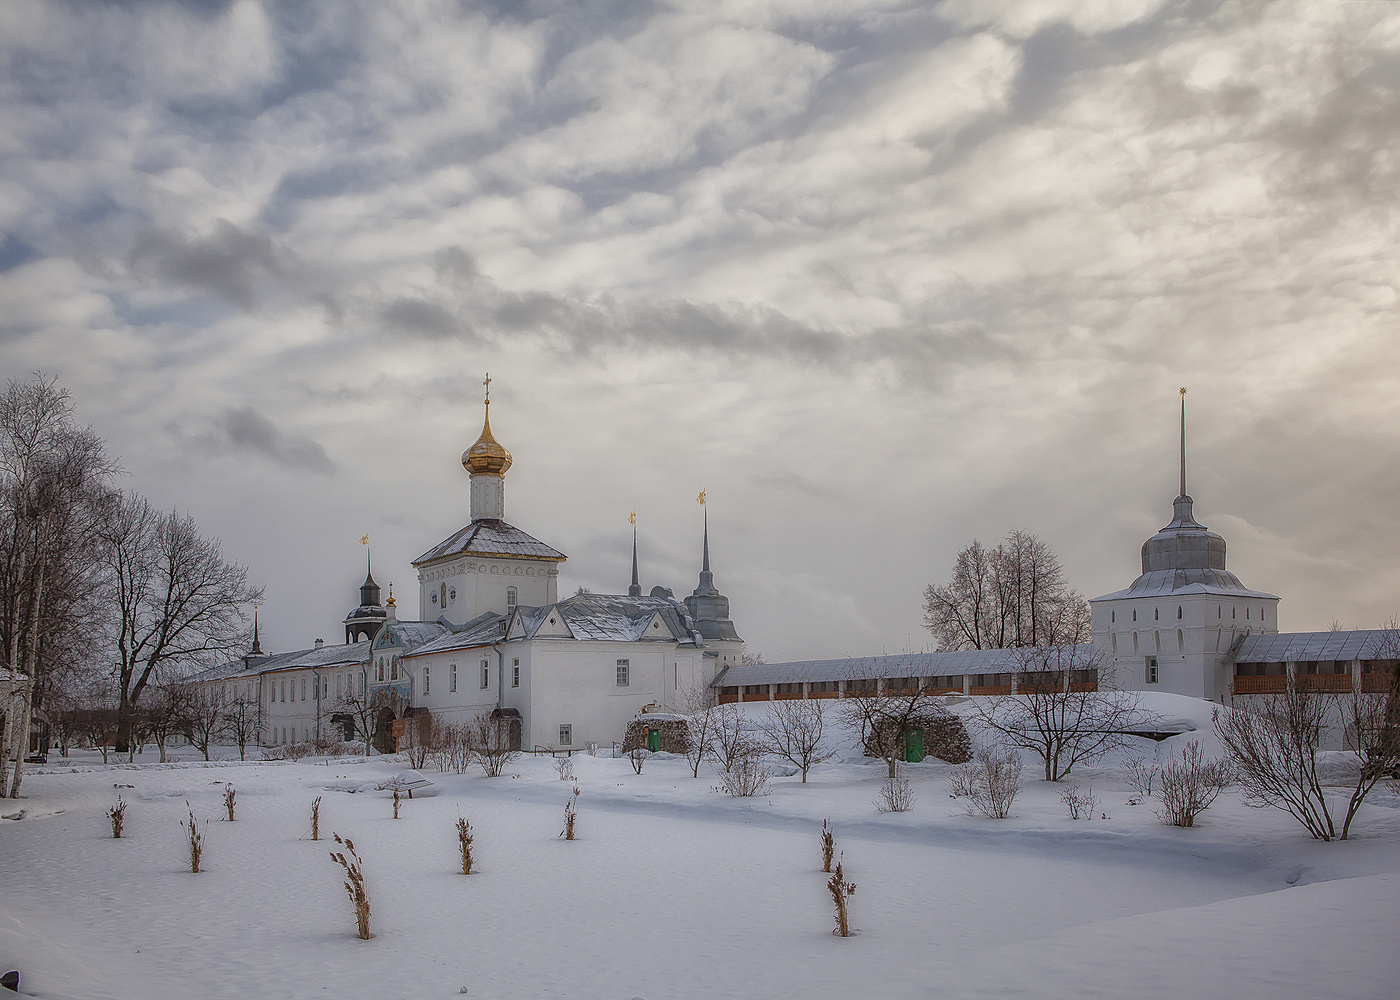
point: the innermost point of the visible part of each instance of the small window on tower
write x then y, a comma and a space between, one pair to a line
1113, 616
511, 599
485, 676
1152, 670
427, 680
452, 679
1178, 611
1134, 614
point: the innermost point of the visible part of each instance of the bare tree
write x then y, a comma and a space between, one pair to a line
1011, 596
882, 718
732, 740
53, 495
1060, 709
362, 707
795, 731
701, 707
491, 744
1273, 742
177, 601
1372, 724
240, 722
422, 735
204, 717
167, 713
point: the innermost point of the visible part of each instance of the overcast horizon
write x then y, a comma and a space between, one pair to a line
881, 277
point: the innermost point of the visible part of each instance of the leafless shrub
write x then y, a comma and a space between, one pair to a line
316, 819
565, 767
638, 757
795, 731
464, 842
195, 838
228, 801
398, 797
989, 782
745, 777
702, 709
491, 744
1080, 799
895, 794
354, 883
298, 751
570, 816
1189, 784
422, 735
840, 890
117, 814
731, 739
1141, 772
828, 846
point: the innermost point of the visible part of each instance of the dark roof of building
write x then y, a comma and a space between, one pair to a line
954, 663
491, 538
1295, 647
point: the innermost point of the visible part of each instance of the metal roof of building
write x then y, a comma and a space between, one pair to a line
491, 538
480, 631
1294, 647
298, 659
957, 662
1178, 582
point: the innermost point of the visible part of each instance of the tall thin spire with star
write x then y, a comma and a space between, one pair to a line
635, 590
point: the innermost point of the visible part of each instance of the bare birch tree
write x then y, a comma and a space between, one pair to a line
204, 717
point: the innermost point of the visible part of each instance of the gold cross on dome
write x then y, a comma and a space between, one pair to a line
632, 518
487, 383
701, 498
364, 539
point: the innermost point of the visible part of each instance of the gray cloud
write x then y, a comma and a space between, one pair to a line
228, 262
243, 430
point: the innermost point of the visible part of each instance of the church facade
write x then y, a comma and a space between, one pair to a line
493, 637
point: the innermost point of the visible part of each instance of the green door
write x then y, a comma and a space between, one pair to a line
653, 740
914, 746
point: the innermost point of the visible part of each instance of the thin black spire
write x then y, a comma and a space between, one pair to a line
1183, 440
635, 590
707, 579
257, 645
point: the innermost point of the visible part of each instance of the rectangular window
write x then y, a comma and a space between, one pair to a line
485, 676
284, 689
623, 669
303, 689
427, 680
566, 736
515, 675
452, 681
1152, 670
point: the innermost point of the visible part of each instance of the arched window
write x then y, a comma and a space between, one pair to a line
393, 668
1113, 616
442, 594
1178, 612
1134, 614
1156, 613
1180, 641
1114, 638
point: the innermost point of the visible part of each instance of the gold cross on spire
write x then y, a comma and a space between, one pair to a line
701, 498
487, 383
632, 518
364, 539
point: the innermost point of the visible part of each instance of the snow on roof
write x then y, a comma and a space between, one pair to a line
490, 537
410, 634
1292, 647
1178, 582
299, 659
621, 618
480, 631
962, 661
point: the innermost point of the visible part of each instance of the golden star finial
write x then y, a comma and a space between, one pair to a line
701, 498
632, 518
364, 539
1182, 390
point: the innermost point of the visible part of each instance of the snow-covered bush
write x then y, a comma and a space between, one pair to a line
745, 777
565, 767
1189, 783
988, 783
1140, 772
117, 814
570, 816
840, 890
638, 756
1080, 799
895, 794
464, 843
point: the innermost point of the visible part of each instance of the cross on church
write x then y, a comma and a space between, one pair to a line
487, 383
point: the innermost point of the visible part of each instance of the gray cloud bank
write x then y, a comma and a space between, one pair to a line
1011, 225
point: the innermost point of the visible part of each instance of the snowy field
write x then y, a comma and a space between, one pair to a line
677, 890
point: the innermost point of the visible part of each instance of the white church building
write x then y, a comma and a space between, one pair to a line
494, 638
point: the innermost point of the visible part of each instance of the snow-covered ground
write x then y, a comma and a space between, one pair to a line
677, 890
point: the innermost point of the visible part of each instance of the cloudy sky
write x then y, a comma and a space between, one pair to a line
880, 276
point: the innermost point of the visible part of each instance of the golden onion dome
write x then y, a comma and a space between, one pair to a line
486, 456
